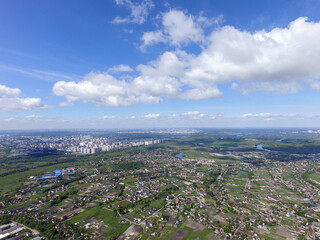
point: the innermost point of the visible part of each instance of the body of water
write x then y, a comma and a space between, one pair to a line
259, 147
180, 155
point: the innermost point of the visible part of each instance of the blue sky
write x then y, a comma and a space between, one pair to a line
137, 64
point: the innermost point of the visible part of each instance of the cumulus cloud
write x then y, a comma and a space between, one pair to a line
194, 115
159, 79
151, 38
104, 89
178, 28
282, 60
120, 68
10, 99
150, 87
199, 94
10, 104
108, 117
139, 11
152, 115
30, 117
9, 92
275, 61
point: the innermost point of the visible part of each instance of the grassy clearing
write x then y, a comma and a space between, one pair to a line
111, 219
130, 180
158, 203
315, 176
239, 182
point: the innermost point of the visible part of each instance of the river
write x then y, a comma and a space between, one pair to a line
259, 147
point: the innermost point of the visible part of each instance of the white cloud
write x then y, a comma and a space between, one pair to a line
315, 85
263, 115
269, 119
9, 92
152, 116
11, 104
168, 64
181, 28
178, 28
139, 11
271, 116
217, 20
120, 68
191, 113
66, 104
199, 94
104, 89
10, 100
282, 60
196, 115
108, 117
151, 38
247, 115
32, 117
275, 61
150, 87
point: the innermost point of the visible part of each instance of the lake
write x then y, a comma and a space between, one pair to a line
180, 155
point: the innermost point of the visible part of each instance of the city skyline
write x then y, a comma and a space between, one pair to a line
147, 64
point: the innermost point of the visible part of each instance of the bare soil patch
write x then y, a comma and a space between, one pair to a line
131, 233
180, 234
197, 227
